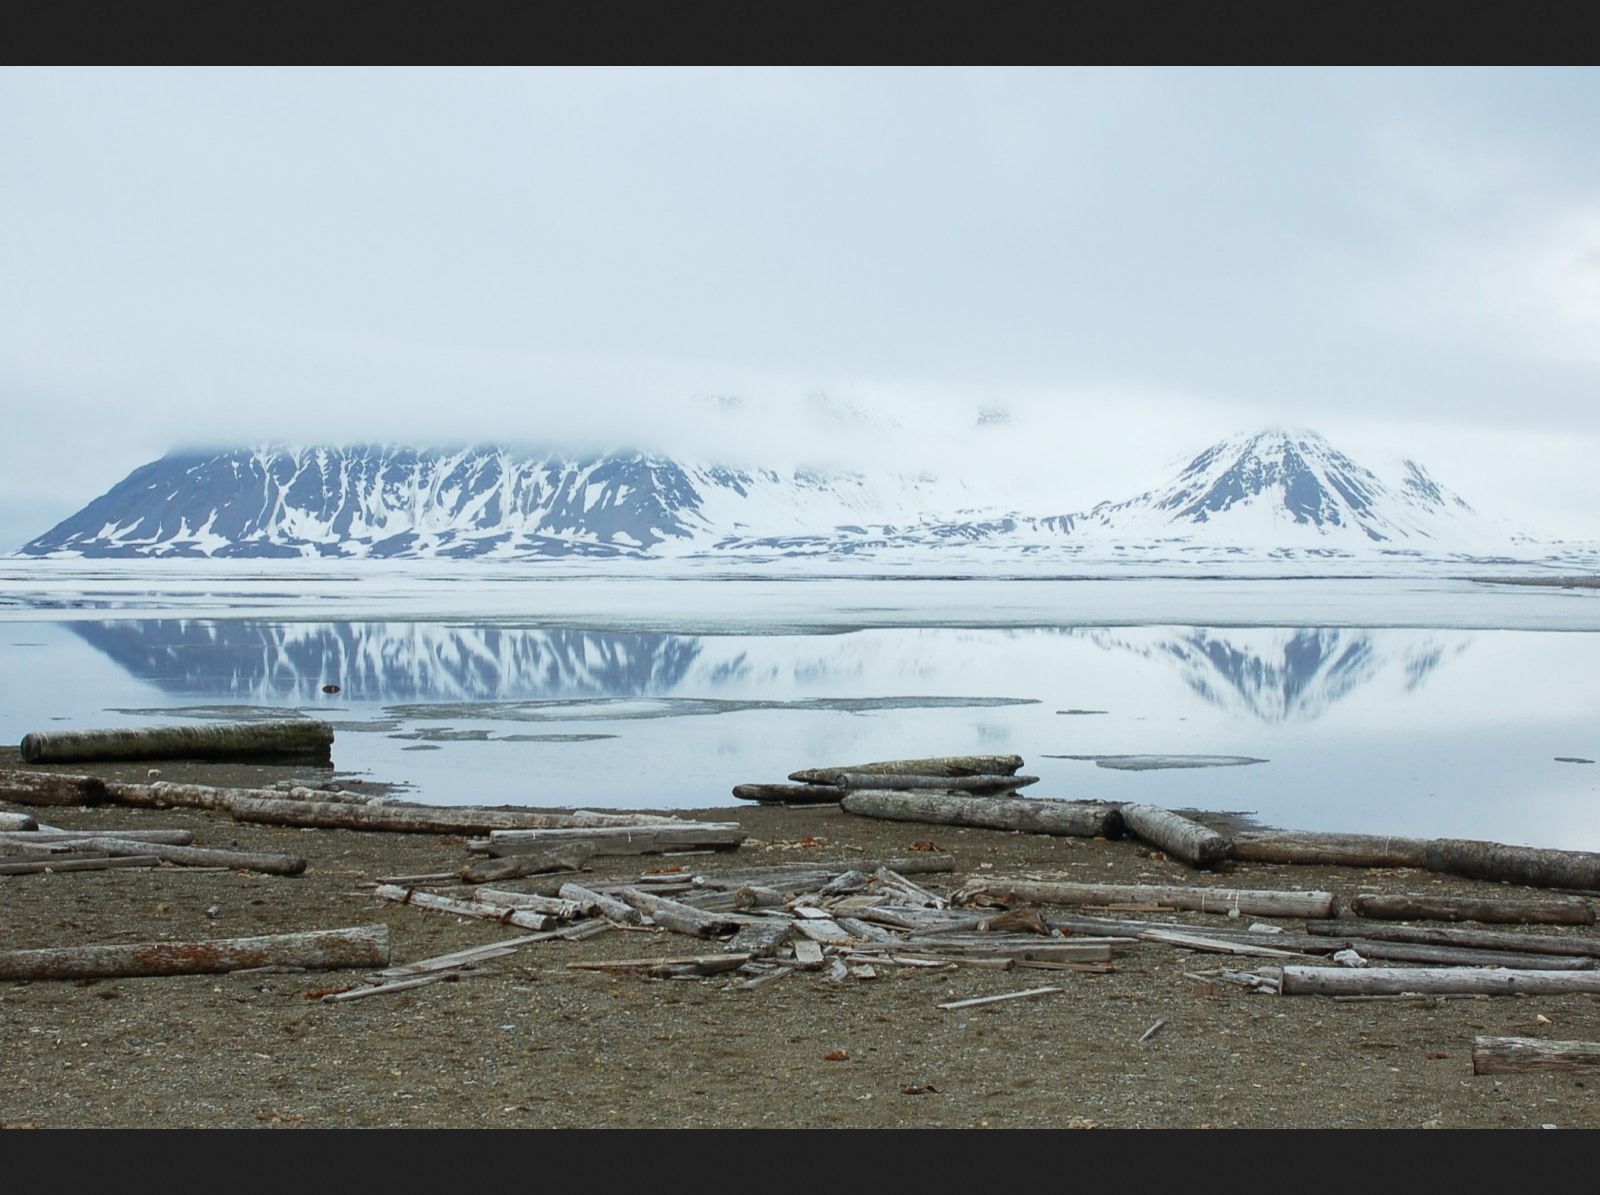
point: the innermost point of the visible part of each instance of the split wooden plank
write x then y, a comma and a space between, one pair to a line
1534, 1055
939, 765
1079, 819
807, 954
1211, 945
385, 989
1179, 836
1254, 902
979, 1001
457, 959
1031, 951
299, 739
1432, 981
1488, 910
622, 840
703, 964
504, 914
333, 949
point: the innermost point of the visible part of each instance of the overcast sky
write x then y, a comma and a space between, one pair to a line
1130, 263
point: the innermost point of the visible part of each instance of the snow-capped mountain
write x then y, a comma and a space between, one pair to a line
1272, 492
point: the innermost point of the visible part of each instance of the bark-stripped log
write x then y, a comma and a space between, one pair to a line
938, 765
51, 788
13, 823
1328, 850
623, 840
330, 949
570, 857
677, 917
1587, 945
42, 836
299, 739
10, 867
1247, 901
504, 914
1534, 1056
955, 784
605, 906
1180, 837
1533, 866
1489, 910
411, 819
1462, 956
550, 906
1433, 981
1078, 819
199, 856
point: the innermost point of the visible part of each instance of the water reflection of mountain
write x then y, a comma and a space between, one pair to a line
377, 661
1282, 675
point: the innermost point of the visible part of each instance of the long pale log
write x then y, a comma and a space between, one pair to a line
677, 917
1587, 945
1455, 908
410, 819
331, 949
604, 906
1433, 981
789, 794
1534, 1056
13, 823
1461, 956
910, 783
197, 856
76, 863
43, 835
1253, 902
1533, 866
624, 840
561, 910
1328, 850
302, 739
504, 914
51, 788
1180, 837
1086, 819
938, 765
568, 857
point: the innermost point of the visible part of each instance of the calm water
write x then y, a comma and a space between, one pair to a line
1448, 730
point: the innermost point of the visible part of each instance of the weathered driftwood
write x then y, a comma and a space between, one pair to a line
789, 794
897, 782
704, 964
979, 1001
331, 949
75, 863
414, 819
624, 840
456, 959
1031, 950
1246, 901
1263, 947
197, 856
550, 906
13, 823
300, 739
604, 906
567, 857
938, 765
760, 940
1432, 981
60, 837
50, 788
1180, 837
1462, 956
504, 914
1332, 850
1533, 866
1533, 1056
677, 917
1490, 910
1078, 819
1587, 945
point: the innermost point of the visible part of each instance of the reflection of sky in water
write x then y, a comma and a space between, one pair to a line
1443, 732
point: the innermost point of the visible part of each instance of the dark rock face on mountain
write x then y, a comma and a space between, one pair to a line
1271, 492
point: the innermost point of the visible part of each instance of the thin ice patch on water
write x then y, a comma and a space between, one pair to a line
1151, 763
220, 713
624, 709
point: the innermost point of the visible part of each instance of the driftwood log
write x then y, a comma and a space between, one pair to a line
299, 739
939, 765
50, 788
1464, 956
331, 949
504, 914
1489, 910
605, 906
1078, 819
1178, 836
1433, 981
622, 840
416, 819
44, 836
1535, 867
1246, 901
899, 782
13, 867
12, 823
1330, 850
199, 856
789, 794
677, 917
1587, 945
567, 857
1534, 1056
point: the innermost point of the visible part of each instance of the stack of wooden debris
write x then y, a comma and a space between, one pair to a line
28, 848
973, 774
